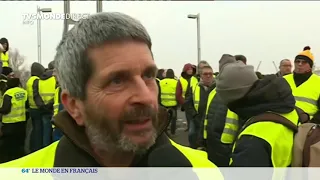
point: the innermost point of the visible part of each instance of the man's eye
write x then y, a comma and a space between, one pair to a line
116, 81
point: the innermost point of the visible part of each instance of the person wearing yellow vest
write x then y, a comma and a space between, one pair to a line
4, 55
13, 111
57, 107
185, 82
43, 96
160, 76
35, 113
112, 116
196, 103
218, 131
305, 84
264, 143
168, 87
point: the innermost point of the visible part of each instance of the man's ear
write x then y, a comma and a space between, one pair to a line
73, 106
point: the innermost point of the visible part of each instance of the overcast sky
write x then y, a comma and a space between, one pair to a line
262, 31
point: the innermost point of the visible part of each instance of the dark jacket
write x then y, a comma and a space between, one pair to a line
36, 95
199, 116
218, 152
268, 94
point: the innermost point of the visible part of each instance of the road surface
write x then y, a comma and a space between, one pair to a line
181, 136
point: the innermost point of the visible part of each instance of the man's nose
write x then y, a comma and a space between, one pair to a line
141, 92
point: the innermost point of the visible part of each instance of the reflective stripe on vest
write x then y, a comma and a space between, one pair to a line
196, 96
168, 92
47, 89
56, 103
231, 128
279, 137
5, 59
205, 122
18, 108
184, 86
307, 94
45, 158
29, 88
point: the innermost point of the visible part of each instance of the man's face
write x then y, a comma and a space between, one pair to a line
301, 66
207, 75
121, 105
285, 67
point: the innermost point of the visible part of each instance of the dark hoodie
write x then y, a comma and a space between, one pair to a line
37, 69
36, 95
179, 91
268, 94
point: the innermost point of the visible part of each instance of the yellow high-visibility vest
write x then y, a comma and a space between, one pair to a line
29, 87
45, 158
5, 59
307, 94
56, 101
18, 108
168, 92
231, 126
47, 89
196, 96
184, 84
278, 136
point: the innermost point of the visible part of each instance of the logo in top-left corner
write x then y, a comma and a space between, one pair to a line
28, 19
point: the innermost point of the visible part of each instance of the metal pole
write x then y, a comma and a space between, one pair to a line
198, 38
39, 36
99, 6
65, 21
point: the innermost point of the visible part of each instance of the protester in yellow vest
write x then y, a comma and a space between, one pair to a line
196, 103
160, 76
305, 85
43, 95
13, 120
262, 144
112, 116
185, 82
220, 129
35, 113
4, 55
168, 87
57, 107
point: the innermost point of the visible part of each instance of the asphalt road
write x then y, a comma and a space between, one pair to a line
181, 136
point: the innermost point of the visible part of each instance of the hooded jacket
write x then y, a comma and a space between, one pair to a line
179, 90
36, 95
268, 94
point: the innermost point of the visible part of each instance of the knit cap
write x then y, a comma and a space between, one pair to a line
235, 79
306, 55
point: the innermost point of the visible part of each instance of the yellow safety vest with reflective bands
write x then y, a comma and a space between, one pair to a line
47, 89
5, 59
278, 136
168, 92
19, 98
307, 94
45, 158
231, 125
56, 101
184, 84
29, 87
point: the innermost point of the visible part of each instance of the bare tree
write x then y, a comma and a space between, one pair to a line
19, 66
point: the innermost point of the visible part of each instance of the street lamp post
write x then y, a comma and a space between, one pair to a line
40, 10
197, 17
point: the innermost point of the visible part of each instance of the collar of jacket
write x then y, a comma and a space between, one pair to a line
79, 151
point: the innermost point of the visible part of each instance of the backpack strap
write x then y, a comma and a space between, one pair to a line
271, 117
